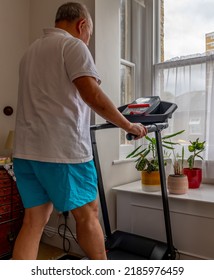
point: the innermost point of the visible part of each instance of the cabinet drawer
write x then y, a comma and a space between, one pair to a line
17, 205
8, 234
5, 182
14, 200
3, 173
5, 191
16, 214
14, 189
5, 200
5, 217
5, 208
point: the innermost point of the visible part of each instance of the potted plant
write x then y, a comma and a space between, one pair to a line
147, 161
194, 174
178, 182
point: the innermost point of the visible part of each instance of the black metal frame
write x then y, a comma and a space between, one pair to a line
157, 128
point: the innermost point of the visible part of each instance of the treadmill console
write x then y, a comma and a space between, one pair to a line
148, 110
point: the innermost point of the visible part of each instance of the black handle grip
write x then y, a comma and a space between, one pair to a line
150, 128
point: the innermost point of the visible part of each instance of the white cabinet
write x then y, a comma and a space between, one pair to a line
192, 217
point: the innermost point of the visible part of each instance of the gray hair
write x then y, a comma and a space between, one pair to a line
71, 11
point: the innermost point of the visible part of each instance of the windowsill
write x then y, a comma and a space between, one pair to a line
121, 161
203, 194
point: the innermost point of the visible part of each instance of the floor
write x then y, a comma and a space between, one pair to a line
47, 252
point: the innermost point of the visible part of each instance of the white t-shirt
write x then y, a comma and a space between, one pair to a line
53, 122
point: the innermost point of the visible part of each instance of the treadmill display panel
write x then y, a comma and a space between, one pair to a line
141, 106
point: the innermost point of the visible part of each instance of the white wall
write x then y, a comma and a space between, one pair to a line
14, 30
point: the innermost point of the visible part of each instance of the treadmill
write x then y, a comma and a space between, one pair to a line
120, 245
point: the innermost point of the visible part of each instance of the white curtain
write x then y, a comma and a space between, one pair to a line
190, 84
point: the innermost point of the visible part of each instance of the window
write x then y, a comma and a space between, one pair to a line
185, 73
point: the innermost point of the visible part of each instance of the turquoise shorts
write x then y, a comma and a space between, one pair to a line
67, 186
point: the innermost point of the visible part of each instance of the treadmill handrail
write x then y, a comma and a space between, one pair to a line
102, 126
150, 128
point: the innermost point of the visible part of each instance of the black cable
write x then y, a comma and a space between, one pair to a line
65, 227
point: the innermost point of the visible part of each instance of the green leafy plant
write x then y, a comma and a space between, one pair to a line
196, 148
147, 159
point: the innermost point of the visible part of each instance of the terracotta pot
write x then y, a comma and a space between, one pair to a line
177, 184
150, 181
194, 177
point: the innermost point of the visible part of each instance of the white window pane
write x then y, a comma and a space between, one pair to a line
186, 24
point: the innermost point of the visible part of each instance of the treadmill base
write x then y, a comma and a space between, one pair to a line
127, 246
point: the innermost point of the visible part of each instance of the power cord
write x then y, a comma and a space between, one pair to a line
65, 227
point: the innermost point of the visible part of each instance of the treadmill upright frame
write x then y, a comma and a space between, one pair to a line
170, 251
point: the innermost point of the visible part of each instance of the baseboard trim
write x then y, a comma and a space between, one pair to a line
51, 237
189, 256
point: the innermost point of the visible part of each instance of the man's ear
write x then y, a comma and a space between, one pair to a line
80, 25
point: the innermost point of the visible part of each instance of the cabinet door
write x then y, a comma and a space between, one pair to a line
8, 233
11, 213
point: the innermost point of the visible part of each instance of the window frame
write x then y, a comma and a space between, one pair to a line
144, 77
127, 146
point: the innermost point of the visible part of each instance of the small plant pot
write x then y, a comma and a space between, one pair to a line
194, 177
177, 184
150, 181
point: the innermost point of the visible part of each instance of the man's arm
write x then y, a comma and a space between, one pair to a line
98, 101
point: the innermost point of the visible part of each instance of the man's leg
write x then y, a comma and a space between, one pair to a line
89, 232
27, 242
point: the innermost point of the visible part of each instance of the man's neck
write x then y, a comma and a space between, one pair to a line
67, 26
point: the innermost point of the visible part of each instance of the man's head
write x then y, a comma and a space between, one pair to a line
75, 18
